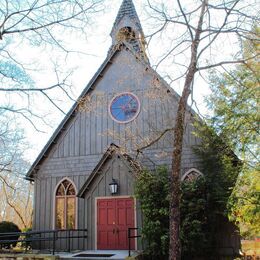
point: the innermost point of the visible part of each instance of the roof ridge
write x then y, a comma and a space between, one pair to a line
33, 169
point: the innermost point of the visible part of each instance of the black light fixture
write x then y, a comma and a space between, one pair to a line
113, 186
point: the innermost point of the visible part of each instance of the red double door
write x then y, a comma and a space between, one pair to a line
114, 217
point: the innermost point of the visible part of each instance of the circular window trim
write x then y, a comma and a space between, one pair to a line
136, 114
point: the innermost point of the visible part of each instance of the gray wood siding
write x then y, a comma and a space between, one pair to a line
44, 219
115, 168
87, 135
45, 208
91, 131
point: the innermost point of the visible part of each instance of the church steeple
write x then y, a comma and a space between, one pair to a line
127, 28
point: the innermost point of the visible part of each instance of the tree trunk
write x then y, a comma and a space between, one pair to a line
175, 191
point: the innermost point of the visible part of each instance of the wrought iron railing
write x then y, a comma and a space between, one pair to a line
43, 235
131, 236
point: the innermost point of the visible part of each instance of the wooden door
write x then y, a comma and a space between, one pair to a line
114, 217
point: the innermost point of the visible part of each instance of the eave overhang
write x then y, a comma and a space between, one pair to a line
90, 87
113, 149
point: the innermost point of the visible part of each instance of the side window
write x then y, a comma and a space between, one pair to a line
191, 175
65, 210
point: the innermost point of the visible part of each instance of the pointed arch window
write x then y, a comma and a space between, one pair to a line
65, 211
191, 175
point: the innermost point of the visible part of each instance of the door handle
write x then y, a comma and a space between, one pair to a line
117, 230
113, 231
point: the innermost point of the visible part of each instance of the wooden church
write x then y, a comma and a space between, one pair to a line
84, 176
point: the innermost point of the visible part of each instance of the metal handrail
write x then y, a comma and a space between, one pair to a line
30, 236
130, 237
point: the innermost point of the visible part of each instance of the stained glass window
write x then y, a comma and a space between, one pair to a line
124, 107
65, 206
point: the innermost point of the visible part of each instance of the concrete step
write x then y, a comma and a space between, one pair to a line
100, 255
91, 258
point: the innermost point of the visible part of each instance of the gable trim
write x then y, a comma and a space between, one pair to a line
92, 176
107, 156
62, 126
33, 169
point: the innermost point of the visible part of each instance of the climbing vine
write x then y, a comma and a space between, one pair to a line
204, 201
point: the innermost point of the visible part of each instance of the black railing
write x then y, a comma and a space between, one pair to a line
130, 236
43, 235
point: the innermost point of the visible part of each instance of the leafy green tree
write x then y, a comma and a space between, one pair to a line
221, 168
198, 33
194, 238
204, 202
244, 204
152, 190
235, 103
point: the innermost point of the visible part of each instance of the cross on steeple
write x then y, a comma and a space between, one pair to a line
127, 28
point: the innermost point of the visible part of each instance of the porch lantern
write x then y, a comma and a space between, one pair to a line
113, 186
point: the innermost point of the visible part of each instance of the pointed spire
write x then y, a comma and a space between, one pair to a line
127, 28
127, 8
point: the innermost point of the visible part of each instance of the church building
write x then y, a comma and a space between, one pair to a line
84, 176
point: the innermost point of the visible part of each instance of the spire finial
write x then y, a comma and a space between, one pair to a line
127, 28
127, 8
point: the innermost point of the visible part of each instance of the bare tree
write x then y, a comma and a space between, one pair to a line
201, 34
32, 28
29, 29
15, 192
16, 200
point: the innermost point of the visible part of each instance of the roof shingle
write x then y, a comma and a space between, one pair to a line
127, 8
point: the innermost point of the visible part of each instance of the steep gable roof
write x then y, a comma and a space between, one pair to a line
127, 8
69, 115
113, 149
127, 28
89, 88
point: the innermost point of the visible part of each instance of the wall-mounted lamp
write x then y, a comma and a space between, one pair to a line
113, 186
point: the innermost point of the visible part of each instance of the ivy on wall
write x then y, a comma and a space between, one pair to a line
204, 201
152, 190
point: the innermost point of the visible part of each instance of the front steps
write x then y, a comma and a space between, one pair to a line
116, 255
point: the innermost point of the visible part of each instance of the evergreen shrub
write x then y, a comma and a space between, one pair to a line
204, 202
8, 227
